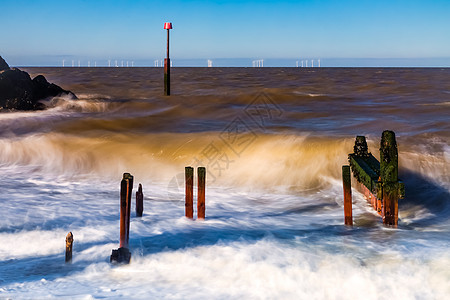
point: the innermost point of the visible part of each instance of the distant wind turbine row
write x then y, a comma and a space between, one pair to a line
128, 63
304, 63
259, 63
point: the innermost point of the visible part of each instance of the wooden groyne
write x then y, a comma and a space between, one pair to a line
377, 180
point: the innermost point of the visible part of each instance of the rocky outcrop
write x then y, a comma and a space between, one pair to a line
3, 64
18, 91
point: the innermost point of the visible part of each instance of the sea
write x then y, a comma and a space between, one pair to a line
273, 141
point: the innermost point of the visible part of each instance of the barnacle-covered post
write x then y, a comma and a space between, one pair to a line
365, 168
389, 177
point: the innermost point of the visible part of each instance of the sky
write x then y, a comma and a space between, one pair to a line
39, 32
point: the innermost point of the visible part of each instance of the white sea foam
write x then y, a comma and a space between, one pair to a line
251, 245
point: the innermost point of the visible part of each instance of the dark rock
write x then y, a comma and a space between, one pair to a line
3, 64
120, 256
18, 91
43, 89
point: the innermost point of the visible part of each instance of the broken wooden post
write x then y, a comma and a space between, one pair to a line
69, 246
123, 255
189, 183
389, 177
346, 179
139, 201
201, 173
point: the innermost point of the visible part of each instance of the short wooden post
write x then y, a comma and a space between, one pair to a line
347, 195
69, 246
389, 177
201, 173
189, 183
139, 201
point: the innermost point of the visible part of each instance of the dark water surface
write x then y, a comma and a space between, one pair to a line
273, 141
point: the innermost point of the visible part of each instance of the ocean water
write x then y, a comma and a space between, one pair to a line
273, 141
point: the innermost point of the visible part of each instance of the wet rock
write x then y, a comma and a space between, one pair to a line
19, 92
3, 64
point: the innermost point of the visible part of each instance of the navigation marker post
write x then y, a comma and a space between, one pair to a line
167, 26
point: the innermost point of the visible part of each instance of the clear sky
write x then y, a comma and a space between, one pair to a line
45, 32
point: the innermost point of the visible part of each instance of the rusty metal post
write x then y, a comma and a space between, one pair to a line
69, 246
123, 255
346, 179
189, 183
129, 193
139, 201
126, 186
389, 177
201, 178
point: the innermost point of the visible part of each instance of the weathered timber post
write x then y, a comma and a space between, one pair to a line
123, 255
346, 179
126, 187
139, 201
201, 173
167, 26
189, 183
389, 177
69, 246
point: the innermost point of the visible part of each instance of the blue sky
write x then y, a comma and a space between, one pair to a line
45, 32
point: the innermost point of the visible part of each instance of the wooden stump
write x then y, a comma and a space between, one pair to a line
201, 171
139, 201
346, 179
69, 246
189, 183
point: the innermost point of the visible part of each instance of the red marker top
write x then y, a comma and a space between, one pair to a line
167, 25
